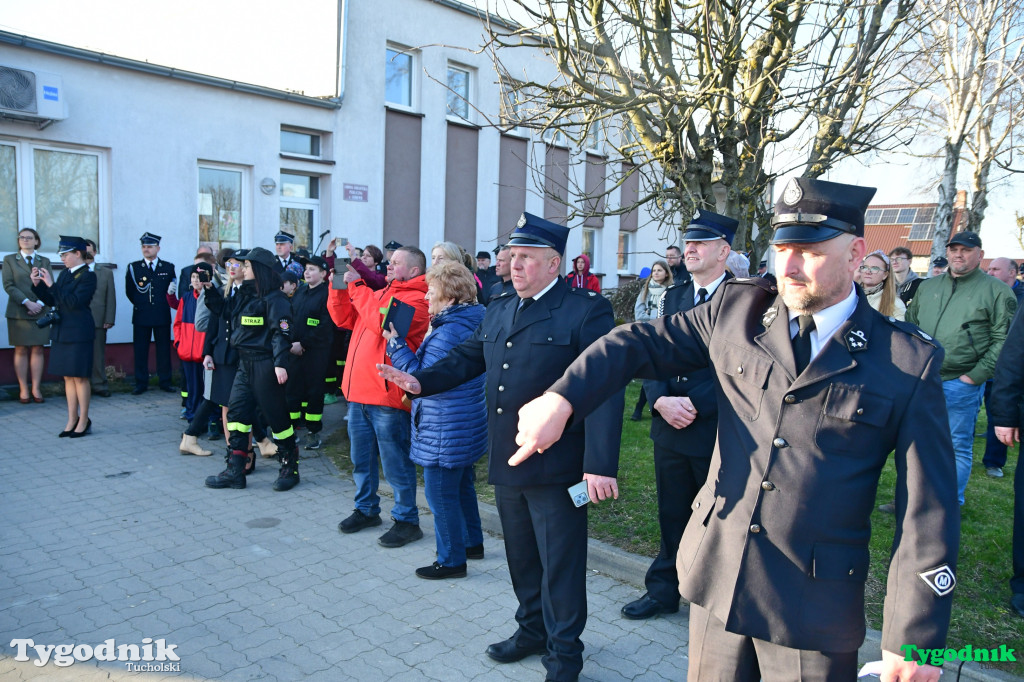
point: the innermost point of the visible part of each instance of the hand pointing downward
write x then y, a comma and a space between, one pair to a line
541, 422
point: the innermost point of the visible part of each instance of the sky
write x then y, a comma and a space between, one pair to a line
292, 46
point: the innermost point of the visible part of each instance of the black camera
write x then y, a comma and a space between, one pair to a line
52, 317
204, 276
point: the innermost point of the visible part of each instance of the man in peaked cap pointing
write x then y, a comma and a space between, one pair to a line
815, 390
526, 340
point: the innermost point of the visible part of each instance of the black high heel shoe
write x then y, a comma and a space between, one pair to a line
79, 434
65, 434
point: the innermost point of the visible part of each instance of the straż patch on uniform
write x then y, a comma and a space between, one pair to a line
940, 579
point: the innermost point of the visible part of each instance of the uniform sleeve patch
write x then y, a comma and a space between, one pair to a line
940, 579
284, 325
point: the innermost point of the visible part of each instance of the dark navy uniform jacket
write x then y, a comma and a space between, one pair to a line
521, 360
261, 325
147, 290
71, 295
313, 327
697, 439
777, 544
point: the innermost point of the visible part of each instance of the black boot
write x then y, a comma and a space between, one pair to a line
288, 477
234, 475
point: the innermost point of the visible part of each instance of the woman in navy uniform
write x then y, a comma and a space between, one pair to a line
71, 333
312, 336
261, 335
23, 309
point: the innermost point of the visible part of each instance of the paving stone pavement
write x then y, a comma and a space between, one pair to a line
114, 536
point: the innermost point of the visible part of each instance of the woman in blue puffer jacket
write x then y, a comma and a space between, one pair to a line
449, 430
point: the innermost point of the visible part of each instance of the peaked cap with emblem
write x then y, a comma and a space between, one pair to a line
534, 231
150, 239
68, 244
817, 210
706, 226
392, 246
283, 237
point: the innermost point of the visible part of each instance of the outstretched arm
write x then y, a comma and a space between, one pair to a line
403, 380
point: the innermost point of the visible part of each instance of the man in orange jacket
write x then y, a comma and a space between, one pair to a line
378, 421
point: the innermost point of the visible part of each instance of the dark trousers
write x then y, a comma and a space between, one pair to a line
995, 452
161, 335
336, 362
256, 386
306, 388
207, 412
1017, 581
716, 655
192, 374
679, 479
99, 360
546, 548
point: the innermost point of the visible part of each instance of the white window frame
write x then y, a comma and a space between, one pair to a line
305, 203
244, 202
24, 173
414, 59
595, 240
628, 254
595, 144
470, 92
303, 131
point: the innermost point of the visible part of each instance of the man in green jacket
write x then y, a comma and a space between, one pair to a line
969, 313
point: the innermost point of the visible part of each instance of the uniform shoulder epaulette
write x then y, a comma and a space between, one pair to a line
586, 293
911, 329
755, 281
506, 293
677, 285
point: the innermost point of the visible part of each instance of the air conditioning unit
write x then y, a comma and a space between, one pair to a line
32, 96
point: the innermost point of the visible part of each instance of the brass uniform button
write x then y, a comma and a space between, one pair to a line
767, 485
499, 411
790, 399
780, 443
754, 528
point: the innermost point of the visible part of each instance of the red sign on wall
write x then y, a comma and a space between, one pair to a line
356, 192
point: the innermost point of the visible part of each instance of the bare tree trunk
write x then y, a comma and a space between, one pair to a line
947, 195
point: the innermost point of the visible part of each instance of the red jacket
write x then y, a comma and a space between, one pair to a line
586, 280
359, 308
187, 341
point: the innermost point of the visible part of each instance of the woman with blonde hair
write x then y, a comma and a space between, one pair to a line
646, 308
449, 430
879, 286
450, 252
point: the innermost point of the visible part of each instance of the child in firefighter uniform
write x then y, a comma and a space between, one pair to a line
312, 336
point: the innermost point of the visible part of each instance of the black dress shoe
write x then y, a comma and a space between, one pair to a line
512, 650
1017, 604
436, 571
139, 390
104, 393
645, 607
475, 552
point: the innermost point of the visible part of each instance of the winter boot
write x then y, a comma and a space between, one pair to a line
190, 446
234, 475
288, 477
267, 447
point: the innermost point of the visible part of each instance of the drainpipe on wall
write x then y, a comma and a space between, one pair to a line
339, 72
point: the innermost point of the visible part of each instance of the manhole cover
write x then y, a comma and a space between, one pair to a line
268, 522
120, 475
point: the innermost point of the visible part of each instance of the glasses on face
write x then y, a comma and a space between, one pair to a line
232, 266
26, 237
873, 269
896, 258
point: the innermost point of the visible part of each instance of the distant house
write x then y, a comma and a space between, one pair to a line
887, 226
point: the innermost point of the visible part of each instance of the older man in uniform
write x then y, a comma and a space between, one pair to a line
283, 242
146, 284
684, 414
815, 390
524, 341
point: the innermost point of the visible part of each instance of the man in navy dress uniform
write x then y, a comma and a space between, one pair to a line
283, 243
684, 412
146, 284
815, 390
524, 342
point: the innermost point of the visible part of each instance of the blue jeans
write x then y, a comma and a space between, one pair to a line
962, 403
381, 434
452, 499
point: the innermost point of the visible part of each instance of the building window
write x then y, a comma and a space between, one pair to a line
57, 191
595, 138
512, 105
220, 207
398, 78
590, 246
625, 252
297, 142
300, 207
458, 92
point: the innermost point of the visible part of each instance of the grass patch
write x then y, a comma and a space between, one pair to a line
981, 614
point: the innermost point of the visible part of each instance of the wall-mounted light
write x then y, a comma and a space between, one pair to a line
268, 185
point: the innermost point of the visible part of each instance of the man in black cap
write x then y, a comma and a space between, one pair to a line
485, 273
939, 266
283, 242
969, 313
684, 414
389, 251
146, 284
503, 271
522, 343
815, 390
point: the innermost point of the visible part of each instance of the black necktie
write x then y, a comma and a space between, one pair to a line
29, 261
702, 295
802, 342
523, 305
152, 266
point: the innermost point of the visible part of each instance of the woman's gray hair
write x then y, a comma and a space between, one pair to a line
737, 264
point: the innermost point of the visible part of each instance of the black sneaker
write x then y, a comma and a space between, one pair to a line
358, 521
401, 534
436, 571
475, 552
312, 442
